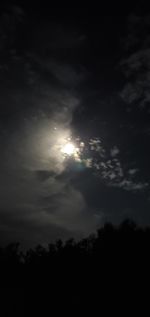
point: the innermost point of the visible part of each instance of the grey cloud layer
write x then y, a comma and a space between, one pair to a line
38, 104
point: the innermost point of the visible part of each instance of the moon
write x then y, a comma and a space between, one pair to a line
69, 149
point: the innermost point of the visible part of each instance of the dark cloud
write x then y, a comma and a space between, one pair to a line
136, 65
30, 230
44, 175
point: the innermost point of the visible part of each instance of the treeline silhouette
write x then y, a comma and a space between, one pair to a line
80, 273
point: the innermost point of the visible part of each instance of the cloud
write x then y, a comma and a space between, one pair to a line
30, 229
133, 171
131, 186
114, 151
37, 107
71, 210
44, 175
40, 201
65, 73
136, 64
108, 167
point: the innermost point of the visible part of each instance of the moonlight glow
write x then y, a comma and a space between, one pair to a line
69, 149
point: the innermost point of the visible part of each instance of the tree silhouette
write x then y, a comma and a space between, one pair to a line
79, 272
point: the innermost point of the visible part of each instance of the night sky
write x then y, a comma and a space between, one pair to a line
74, 121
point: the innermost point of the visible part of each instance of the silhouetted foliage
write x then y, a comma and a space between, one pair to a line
83, 271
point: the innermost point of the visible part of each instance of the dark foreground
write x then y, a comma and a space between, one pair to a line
105, 273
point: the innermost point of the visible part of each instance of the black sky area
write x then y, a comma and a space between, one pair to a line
70, 72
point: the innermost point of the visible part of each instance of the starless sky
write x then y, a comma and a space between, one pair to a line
84, 78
